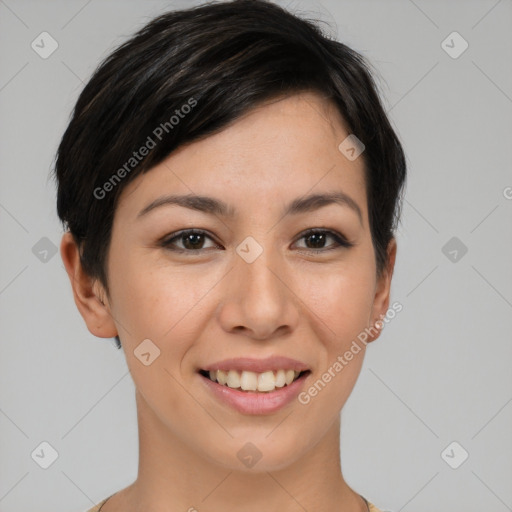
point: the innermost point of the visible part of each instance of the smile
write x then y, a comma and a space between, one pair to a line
264, 382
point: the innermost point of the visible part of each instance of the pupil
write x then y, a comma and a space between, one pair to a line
320, 239
192, 241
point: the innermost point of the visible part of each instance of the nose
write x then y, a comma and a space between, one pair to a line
258, 300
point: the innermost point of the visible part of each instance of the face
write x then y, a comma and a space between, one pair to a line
249, 282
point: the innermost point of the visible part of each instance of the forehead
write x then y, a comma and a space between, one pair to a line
284, 148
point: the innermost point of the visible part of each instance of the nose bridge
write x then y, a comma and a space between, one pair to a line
258, 300
255, 261
255, 269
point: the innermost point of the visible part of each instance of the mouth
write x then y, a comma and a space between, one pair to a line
255, 382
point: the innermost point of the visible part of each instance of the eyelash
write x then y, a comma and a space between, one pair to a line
341, 241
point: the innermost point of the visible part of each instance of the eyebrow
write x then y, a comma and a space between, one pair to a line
214, 206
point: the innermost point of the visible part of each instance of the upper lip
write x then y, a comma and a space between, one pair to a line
258, 365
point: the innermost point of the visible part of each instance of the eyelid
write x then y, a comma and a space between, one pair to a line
165, 242
340, 239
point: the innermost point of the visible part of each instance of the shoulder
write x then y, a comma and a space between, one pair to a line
373, 508
97, 507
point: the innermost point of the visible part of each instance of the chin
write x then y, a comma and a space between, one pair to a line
257, 454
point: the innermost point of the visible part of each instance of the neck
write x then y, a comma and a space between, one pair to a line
173, 477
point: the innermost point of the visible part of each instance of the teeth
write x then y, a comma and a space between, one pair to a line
266, 381
222, 377
289, 376
233, 380
280, 378
249, 381
252, 381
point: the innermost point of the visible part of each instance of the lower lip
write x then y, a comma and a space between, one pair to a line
249, 402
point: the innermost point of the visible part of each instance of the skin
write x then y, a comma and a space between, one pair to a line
204, 306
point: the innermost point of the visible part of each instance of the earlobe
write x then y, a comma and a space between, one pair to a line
87, 292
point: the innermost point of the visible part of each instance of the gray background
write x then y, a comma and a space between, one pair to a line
440, 371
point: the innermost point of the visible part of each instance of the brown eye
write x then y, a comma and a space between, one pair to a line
316, 240
193, 241
190, 240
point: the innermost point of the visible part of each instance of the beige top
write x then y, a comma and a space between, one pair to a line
96, 508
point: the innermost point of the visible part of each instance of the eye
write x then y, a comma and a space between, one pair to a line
191, 240
316, 238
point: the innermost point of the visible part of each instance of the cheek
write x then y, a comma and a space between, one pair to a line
162, 303
342, 298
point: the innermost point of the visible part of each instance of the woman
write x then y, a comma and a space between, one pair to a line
230, 185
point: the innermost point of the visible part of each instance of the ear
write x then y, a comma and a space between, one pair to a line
87, 292
382, 293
